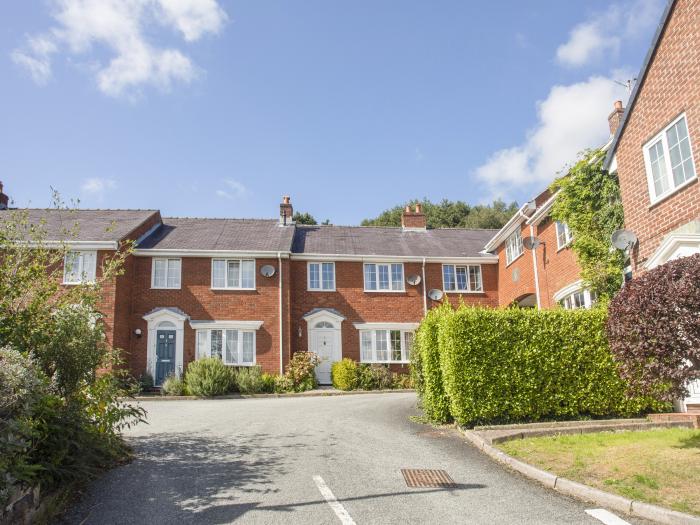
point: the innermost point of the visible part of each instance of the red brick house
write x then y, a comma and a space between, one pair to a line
254, 291
655, 147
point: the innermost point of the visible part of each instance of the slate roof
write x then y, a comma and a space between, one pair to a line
255, 235
651, 53
359, 240
84, 225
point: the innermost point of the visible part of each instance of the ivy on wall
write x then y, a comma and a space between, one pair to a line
589, 203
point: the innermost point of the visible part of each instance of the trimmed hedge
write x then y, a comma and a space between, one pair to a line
480, 365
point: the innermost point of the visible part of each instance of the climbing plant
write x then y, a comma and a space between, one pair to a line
589, 203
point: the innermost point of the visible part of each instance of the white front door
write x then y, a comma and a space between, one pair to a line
325, 344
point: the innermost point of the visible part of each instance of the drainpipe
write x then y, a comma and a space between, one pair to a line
279, 265
425, 298
534, 265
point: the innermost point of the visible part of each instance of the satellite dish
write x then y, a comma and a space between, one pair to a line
531, 243
623, 239
267, 271
435, 294
413, 280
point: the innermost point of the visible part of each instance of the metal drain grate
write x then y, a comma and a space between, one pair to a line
427, 478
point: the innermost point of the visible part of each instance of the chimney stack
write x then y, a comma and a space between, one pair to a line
4, 199
286, 211
414, 220
615, 118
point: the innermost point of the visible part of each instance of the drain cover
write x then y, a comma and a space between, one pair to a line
427, 478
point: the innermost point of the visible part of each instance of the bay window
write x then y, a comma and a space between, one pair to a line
233, 274
233, 347
385, 346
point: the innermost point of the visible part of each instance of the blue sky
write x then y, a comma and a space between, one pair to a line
206, 108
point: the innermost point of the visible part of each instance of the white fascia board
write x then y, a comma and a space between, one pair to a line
488, 259
543, 210
386, 326
223, 325
155, 252
74, 245
502, 234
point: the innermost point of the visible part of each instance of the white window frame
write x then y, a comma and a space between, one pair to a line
391, 288
467, 268
568, 237
320, 276
88, 275
663, 137
240, 272
566, 302
204, 334
167, 260
514, 242
405, 355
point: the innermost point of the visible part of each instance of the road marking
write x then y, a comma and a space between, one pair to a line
606, 517
337, 507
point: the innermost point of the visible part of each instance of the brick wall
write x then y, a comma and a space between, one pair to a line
672, 86
517, 279
556, 268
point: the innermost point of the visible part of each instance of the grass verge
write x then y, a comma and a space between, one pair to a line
655, 466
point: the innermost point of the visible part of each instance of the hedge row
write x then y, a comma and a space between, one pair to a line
479, 365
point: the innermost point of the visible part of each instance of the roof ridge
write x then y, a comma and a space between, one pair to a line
222, 219
398, 228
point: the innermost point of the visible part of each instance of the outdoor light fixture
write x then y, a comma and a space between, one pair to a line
137, 332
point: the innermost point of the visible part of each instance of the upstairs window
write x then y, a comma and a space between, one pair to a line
669, 160
461, 278
514, 246
321, 276
564, 236
233, 274
386, 346
79, 267
166, 273
384, 277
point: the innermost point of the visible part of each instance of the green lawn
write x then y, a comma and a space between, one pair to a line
657, 466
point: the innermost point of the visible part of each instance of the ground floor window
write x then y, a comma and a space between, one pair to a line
233, 347
578, 299
385, 346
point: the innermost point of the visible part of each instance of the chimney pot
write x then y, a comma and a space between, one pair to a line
413, 220
615, 118
419, 208
618, 104
286, 211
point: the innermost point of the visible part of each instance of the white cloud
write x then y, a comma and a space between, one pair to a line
234, 189
571, 119
121, 27
97, 187
604, 33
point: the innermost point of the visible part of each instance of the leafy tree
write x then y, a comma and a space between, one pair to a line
450, 214
589, 203
654, 328
304, 218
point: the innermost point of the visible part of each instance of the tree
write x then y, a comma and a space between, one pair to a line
654, 329
304, 218
589, 203
450, 214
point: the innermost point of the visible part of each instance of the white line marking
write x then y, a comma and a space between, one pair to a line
606, 517
337, 507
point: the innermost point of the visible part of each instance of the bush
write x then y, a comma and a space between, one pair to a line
145, 382
402, 381
654, 330
209, 377
344, 374
249, 380
173, 385
374, 377
268, 382
521, 365
300, 372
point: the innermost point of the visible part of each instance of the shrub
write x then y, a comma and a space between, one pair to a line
522, 365
300, 371
249, 380
344, 374
654, 330
145, 382
425, 367
209, 377
268, 382
173, 385
283, 384
374, 377
401, 381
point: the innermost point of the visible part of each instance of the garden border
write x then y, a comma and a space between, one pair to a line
308, 393
580, 491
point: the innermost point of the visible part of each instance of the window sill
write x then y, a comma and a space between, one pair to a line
518, 257
78, 283
166, 288
671, 193
385, 362
464, 292
385, 291
234, 289
320, 290
560, 248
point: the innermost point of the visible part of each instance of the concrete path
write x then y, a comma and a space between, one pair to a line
307, 461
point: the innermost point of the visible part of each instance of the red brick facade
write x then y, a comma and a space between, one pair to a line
670, 88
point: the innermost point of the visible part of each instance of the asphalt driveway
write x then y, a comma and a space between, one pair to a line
308, 460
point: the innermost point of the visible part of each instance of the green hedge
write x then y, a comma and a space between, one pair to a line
480, 365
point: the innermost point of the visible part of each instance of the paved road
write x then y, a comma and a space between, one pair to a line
277, 460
